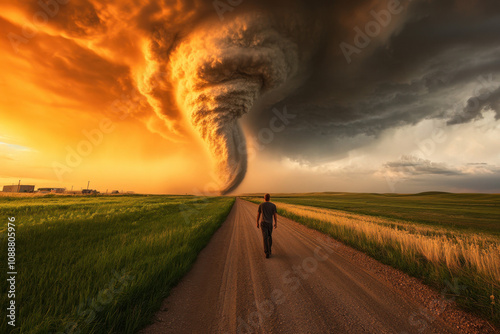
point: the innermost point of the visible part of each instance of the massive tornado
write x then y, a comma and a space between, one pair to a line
219, 72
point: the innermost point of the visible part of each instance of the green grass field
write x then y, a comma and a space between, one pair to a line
436, 237
101, 264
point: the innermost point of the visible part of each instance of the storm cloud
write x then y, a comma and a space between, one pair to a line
348, 71
442, 61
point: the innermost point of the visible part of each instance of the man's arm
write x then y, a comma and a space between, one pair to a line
258, 218
275, 220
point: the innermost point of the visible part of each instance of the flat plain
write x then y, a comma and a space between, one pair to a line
101, 264
107, 264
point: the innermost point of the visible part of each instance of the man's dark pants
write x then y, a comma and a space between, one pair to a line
267, 231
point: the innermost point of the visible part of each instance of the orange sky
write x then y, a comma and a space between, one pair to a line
56, 87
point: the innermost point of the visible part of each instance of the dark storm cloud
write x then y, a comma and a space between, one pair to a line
440, 54
476, 105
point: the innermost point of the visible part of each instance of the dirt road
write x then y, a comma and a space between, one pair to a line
308, 286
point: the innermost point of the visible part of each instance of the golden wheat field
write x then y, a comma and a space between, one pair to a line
476, 252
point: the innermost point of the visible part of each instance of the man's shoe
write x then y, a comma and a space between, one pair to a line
267, 256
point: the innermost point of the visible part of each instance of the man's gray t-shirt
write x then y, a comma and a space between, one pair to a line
267, 209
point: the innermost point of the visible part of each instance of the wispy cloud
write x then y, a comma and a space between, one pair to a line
410, 166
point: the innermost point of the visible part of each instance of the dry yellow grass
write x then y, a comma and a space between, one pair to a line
457, 251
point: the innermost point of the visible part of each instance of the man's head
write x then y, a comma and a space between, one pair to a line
267, 197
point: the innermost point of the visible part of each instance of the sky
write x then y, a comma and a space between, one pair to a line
195, 96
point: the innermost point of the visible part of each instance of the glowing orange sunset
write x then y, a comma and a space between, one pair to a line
177, 97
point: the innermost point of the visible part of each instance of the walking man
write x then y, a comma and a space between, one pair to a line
267, 210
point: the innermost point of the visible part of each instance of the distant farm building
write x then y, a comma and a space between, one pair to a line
52, 190
18, 189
